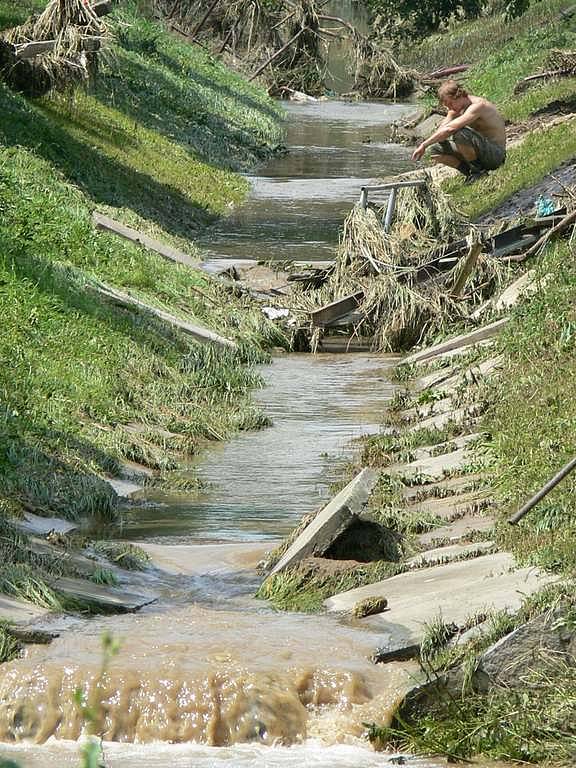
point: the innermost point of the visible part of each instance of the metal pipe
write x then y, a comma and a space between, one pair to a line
364, 197
394, 185
543, 492
391, 207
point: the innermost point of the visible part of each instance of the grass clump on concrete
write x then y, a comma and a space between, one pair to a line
125, 555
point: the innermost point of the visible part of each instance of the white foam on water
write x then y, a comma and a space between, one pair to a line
311, 754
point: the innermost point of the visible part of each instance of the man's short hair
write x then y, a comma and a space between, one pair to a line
452, 90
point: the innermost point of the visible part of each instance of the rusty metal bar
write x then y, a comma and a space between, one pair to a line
543, 492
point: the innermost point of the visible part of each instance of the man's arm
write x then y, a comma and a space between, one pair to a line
446, 129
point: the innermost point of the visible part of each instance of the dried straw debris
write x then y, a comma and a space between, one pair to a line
399, 306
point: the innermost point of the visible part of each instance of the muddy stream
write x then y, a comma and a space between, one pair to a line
207, 675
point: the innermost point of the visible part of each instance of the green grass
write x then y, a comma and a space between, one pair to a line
84, 384
540, 153
533, 418
125, 555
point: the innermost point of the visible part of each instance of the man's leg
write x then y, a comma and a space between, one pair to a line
452, 161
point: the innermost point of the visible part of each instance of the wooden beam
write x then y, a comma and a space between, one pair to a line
134, 236
30, 50
329, 312
566, 222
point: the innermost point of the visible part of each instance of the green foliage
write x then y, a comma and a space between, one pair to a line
410, 19
532, 724
9, 647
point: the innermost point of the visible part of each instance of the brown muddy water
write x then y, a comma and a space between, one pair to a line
207, 676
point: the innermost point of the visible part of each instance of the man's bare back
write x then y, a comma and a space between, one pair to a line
472, 136
486, 119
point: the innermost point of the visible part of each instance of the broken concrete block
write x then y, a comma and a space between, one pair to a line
336, 516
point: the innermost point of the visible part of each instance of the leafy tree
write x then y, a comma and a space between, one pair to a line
411, 19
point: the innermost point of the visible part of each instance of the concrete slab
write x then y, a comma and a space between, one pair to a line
42, 525
124, 488
426, 451
453, 354
104, 598
439, 420
198, 332
433, 466
454, 592
458, 529
464, 340
453, 507
448, 553
18, 611
426, 410
317, 537
83, 565
435, 378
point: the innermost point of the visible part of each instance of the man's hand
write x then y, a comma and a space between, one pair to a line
418, 152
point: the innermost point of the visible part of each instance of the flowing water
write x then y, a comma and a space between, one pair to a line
207, 676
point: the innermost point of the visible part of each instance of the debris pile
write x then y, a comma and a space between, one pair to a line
403, 282
55, 50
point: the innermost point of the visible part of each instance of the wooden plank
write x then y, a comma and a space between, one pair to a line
33, 49
198, 332
134, 236
336, 309
30, 50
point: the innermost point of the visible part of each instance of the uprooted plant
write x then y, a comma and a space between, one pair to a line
72, 32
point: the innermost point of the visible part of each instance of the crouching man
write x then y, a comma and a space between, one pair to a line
471, 138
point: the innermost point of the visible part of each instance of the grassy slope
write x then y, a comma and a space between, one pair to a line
76, 372
500, 55
532, 416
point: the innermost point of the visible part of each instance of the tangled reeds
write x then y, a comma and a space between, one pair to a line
377, 74
401, 301
72, 33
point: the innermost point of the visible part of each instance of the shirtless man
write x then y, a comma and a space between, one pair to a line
471, 138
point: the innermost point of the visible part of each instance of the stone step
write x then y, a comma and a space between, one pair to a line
18, 611
451, 552
450, 485
453, 507
458, 342
457, 530
433, 466
103, 597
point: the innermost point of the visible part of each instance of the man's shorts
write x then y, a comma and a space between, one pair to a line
489, 155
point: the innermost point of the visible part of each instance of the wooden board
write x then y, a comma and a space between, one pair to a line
172, 254
330, 312
198, 332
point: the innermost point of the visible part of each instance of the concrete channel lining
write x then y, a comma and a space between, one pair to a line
328, 524
453, 592
479, 334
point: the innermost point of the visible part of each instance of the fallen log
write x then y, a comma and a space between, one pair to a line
447, 71
525, 82
278, 53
